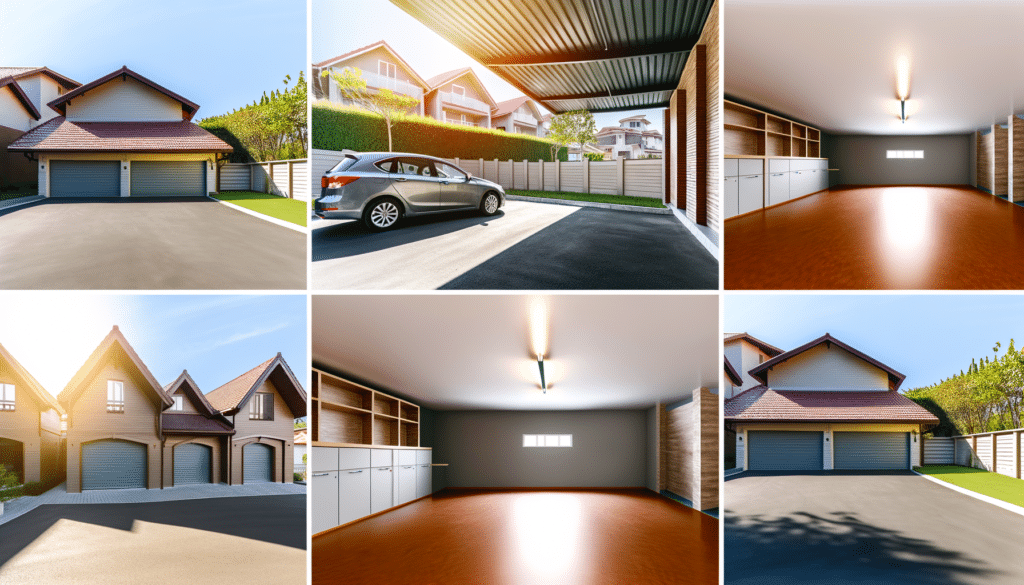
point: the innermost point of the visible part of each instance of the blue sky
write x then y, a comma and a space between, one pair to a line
215, 337
220, 54
926, 337
369, 21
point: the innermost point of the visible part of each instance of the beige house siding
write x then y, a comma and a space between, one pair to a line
88, 420
41, 89
28, 425
436, 106
827, 367
218, 447
125, 100
277, 433
12, 112
369, 63
744, 356
187, 406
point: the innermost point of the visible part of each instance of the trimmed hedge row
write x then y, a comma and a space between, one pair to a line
340, 128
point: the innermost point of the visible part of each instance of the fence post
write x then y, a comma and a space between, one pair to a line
620, 176
216, 169
291, 179
457, 162
586, 173
543, 187
512, 165
974, 450
1016, 453
558, 174
270, 178
482, 169
526, 174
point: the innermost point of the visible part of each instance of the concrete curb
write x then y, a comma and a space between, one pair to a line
20, 201
1004, 505
273, 220
733, 471
614, 206
691, 227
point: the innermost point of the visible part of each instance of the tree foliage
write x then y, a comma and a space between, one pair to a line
574, 128
271, 128
988, 397
390, 105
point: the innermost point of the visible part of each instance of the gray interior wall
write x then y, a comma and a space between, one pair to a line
861, 160
485, 448
652, 448
974, 161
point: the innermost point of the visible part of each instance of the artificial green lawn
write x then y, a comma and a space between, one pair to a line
291, 210
986, 483
592, 197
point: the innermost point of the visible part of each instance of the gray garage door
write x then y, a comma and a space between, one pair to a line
85, 178
871, 450
258, 462
192, 464
785, 450
113, 464
168, 178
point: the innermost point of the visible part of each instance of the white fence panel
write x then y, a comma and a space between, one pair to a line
985, 452
572, 176
536, 180
280, 178
550, 182
964, 455
939, 451
505, 174
235, 177
1006, 454
519, 174
603, 177
644, 178
300, 181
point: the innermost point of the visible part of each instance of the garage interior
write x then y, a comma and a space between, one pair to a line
564, 433
890, 166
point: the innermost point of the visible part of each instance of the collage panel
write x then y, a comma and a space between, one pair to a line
515, 438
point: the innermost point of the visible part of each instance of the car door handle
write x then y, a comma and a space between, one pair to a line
444, 182
402, 179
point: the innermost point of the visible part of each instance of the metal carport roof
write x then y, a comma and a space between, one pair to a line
599, 55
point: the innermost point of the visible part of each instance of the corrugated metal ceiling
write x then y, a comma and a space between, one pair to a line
600, 55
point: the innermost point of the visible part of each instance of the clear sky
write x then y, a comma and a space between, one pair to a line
925, 337
340, 26
221, 54
215, 337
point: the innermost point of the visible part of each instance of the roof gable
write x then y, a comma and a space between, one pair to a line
766, 348
23, 72
188, 386
95, 362
42, 397
188, 108
760, 372
447, 77
230, 397
340, 59
19, 94
732, 374
508, 106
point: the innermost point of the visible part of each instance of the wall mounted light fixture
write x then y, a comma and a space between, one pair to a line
903, 85
540, 365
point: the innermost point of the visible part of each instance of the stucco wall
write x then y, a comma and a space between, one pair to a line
12, 112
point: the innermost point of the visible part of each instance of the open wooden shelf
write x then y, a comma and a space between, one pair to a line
751, 133
734, 114
350, 414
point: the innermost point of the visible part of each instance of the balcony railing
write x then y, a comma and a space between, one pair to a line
463, 101
374, 81
524, 118
460, 122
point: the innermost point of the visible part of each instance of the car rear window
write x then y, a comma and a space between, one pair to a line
345, 163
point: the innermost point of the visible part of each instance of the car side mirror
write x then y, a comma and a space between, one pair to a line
469, 176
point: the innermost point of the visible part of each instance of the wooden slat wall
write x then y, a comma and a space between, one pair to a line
1015, 158
707, 468
703, 110
985, 157
689, 450
1000, 160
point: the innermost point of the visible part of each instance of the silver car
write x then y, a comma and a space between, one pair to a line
380, 188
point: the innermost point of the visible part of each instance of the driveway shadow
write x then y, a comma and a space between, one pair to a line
352, 238
274, 519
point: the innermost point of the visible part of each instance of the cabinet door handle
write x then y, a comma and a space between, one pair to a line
320, 474
424, 466
408, 467
357, 471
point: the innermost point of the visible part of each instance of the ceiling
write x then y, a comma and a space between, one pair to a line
832, 63
598, 55
459, 352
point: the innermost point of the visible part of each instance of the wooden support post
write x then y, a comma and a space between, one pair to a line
620, 174
700, 208
666, 156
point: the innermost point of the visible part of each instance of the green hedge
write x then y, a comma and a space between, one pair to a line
340, 128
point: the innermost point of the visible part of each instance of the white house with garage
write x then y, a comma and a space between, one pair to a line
122, 135
824, 406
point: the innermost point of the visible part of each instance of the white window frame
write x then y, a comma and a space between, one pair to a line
7, 398
563, 440
904, 154
389, 67
179, 403
256, 411
115, 396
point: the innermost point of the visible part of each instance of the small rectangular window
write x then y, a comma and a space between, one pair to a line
261, 407
547, 440
179, 403
904, 154
115, 396
7, 397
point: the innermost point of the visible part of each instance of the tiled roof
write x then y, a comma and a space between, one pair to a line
508, 106
769, 350
763, 404
60, 135
300, 436
194, 423
231, 394
443, 78
15, 71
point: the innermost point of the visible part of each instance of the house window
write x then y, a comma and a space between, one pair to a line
179, 403
6, 396
547, 440
458, 90
385, 69
261, 407
115, 396
904, 154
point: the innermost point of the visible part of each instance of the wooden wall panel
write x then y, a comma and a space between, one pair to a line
985, 160
1015, 158
688, 450
999, 160
707, 469
682, 451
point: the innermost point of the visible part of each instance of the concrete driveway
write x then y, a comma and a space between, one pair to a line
527, 246
259, 539
867, 528
146, 244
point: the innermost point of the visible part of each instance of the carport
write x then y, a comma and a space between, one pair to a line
608, 56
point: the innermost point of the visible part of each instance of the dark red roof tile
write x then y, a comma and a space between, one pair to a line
60, 135
762, 404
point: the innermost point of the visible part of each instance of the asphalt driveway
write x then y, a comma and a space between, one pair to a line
527, 246
146, 244
258, 539
868, 528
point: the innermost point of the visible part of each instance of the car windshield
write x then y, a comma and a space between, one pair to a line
345, 163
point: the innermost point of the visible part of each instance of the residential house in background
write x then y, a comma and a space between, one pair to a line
300, 441
380, 67
519, 115
459, 97
745, 352
24, 93
125, 430
122, 135
630, 139
30, 442
826, 405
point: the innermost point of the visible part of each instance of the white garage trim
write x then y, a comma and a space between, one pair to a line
126, 159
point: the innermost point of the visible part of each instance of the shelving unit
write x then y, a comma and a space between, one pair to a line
751, 133
347, 414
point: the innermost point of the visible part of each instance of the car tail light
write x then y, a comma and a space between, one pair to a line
336, 182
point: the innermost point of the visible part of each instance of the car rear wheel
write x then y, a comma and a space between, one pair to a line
382, 214
489, 204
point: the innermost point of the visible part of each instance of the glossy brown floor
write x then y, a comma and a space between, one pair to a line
946, 238
525, 537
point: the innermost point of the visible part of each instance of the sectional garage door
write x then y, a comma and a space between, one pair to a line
192, 464
113, 464
168, 178
871, 450
85, 178
785, 450
258, 463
